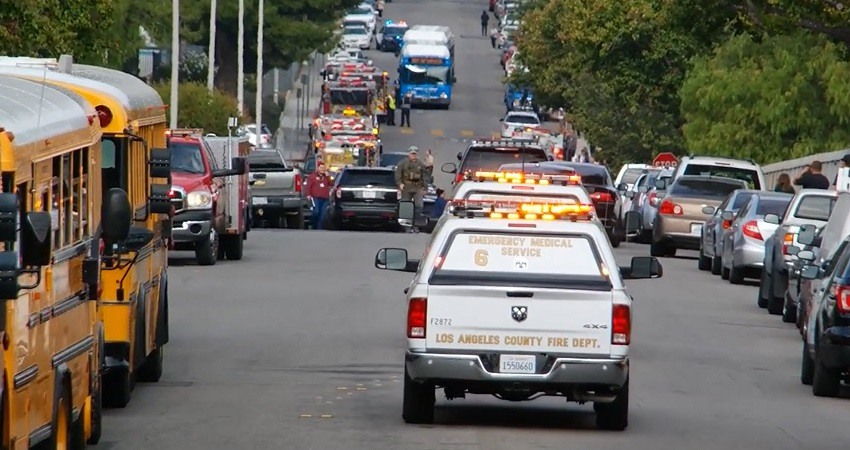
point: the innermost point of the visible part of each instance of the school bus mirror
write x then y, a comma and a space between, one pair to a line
91, 275
9, 217
116, 216
160, 162
9, 272
36, 246
138, 238
159, 201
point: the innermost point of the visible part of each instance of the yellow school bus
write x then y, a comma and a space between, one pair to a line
50, 210
134, 302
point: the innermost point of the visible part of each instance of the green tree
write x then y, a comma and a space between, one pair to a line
769, 99
198, 108
618, 66
48, 28
830, 18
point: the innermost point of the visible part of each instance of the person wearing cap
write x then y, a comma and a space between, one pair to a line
411, 178
843, 163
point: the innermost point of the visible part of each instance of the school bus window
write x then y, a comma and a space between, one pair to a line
80, 179
113, 172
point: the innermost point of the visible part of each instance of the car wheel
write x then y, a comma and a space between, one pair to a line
774, 305
826, 381
789, 310
736, 275
615, 238
418, 401
764, 289
614, 415
724, 272
658, 249
716, 266
807, 367
704, 262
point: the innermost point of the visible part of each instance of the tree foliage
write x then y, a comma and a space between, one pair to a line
828, 17
769, 99
47, 28
198, 108
618, 66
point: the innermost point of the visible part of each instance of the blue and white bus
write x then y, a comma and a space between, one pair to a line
427, 72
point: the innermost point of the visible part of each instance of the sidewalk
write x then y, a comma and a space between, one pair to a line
293, 138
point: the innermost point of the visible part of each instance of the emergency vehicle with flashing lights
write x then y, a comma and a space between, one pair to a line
391, 36
210, 201
518, 302
485, 154
357, 96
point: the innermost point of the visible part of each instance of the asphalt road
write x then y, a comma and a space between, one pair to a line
300, 345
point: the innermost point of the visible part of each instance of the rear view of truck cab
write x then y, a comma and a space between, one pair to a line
201, 197
519, 305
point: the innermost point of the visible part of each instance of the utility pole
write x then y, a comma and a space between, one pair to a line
175, 59
240, 61
211, 57
260, 19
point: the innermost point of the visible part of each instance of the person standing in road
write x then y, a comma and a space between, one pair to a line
410, 178
390, 109
318, 192
429, 165
812, 178
485, 20
406, 101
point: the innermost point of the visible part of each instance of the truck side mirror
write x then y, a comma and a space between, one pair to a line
159, 200
160, 163
449, 168
405, 210
807, 233
116, 216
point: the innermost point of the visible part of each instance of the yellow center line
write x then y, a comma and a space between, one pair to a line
437, 133
467, 133
406, 131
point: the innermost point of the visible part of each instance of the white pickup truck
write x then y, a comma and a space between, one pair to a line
277, 196
518, 306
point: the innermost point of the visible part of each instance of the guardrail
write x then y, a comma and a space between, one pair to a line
794, 167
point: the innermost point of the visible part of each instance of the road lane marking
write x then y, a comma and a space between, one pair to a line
467, 133
305, 416
361, 389
326, 416
342, 388
437, 133
406, 130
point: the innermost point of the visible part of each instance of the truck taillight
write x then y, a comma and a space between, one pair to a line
841, 292
621, 325
787, 242
417, 317
669, 208
298, 182
751, 229
602, 197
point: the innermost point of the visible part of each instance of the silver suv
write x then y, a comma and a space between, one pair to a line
748, 171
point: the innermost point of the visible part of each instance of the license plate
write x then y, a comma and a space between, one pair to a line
370, 194
259, 200
696, 228
517, 364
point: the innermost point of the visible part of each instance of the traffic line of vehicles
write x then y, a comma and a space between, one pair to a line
518, 295
85, 219
795, 244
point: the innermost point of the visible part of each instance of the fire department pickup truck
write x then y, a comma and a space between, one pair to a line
518, 303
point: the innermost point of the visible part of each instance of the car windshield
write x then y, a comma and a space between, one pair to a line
514, 259
750, 176
815, 207
186, 158
523, 119
360, 31
355, 24
772, 206
631, 175
489, 158
265, 161
381, 178
702, 188
424, 74
392, 159
361, 11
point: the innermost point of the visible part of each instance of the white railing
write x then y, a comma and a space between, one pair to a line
795, 167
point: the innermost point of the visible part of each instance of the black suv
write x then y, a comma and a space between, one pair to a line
364, 197
490, 154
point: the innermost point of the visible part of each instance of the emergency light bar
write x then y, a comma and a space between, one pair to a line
508, 143
529, 211
185, 132
525, 178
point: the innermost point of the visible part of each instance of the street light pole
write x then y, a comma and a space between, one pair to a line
175, 59
259, 113
211, 56
240, 60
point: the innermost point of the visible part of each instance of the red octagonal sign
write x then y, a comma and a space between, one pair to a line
665, 159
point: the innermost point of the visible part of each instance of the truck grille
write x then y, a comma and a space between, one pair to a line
177, 200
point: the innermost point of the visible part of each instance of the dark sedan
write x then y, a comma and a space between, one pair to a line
363, 197
597, 181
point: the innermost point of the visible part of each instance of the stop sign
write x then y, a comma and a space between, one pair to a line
665, 159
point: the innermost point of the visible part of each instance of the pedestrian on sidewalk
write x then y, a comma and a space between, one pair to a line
390, 109
485, 19
318, 192
406, 101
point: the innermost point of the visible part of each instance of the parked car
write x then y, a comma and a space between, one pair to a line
630, 191
739, 169
712, 232
794, 304
809, 206
742, 245
276, 190
682, 212
629, 174
363, 197
649, 196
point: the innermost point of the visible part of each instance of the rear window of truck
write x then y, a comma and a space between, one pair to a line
489, 158
815, 207
538, 260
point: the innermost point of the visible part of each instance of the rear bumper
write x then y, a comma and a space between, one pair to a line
364, 214
749, 255
460, 367
834, 348
677, 232
191, 226
430, 101
277, 203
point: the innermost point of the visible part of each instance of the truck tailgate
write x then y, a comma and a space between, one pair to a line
272, 183
505, 319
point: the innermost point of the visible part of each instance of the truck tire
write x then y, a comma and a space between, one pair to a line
807, 367
233, 247
614, 415
826, 381
418, 402
295, 221
206, 251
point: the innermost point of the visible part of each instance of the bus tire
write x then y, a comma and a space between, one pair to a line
151, 370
